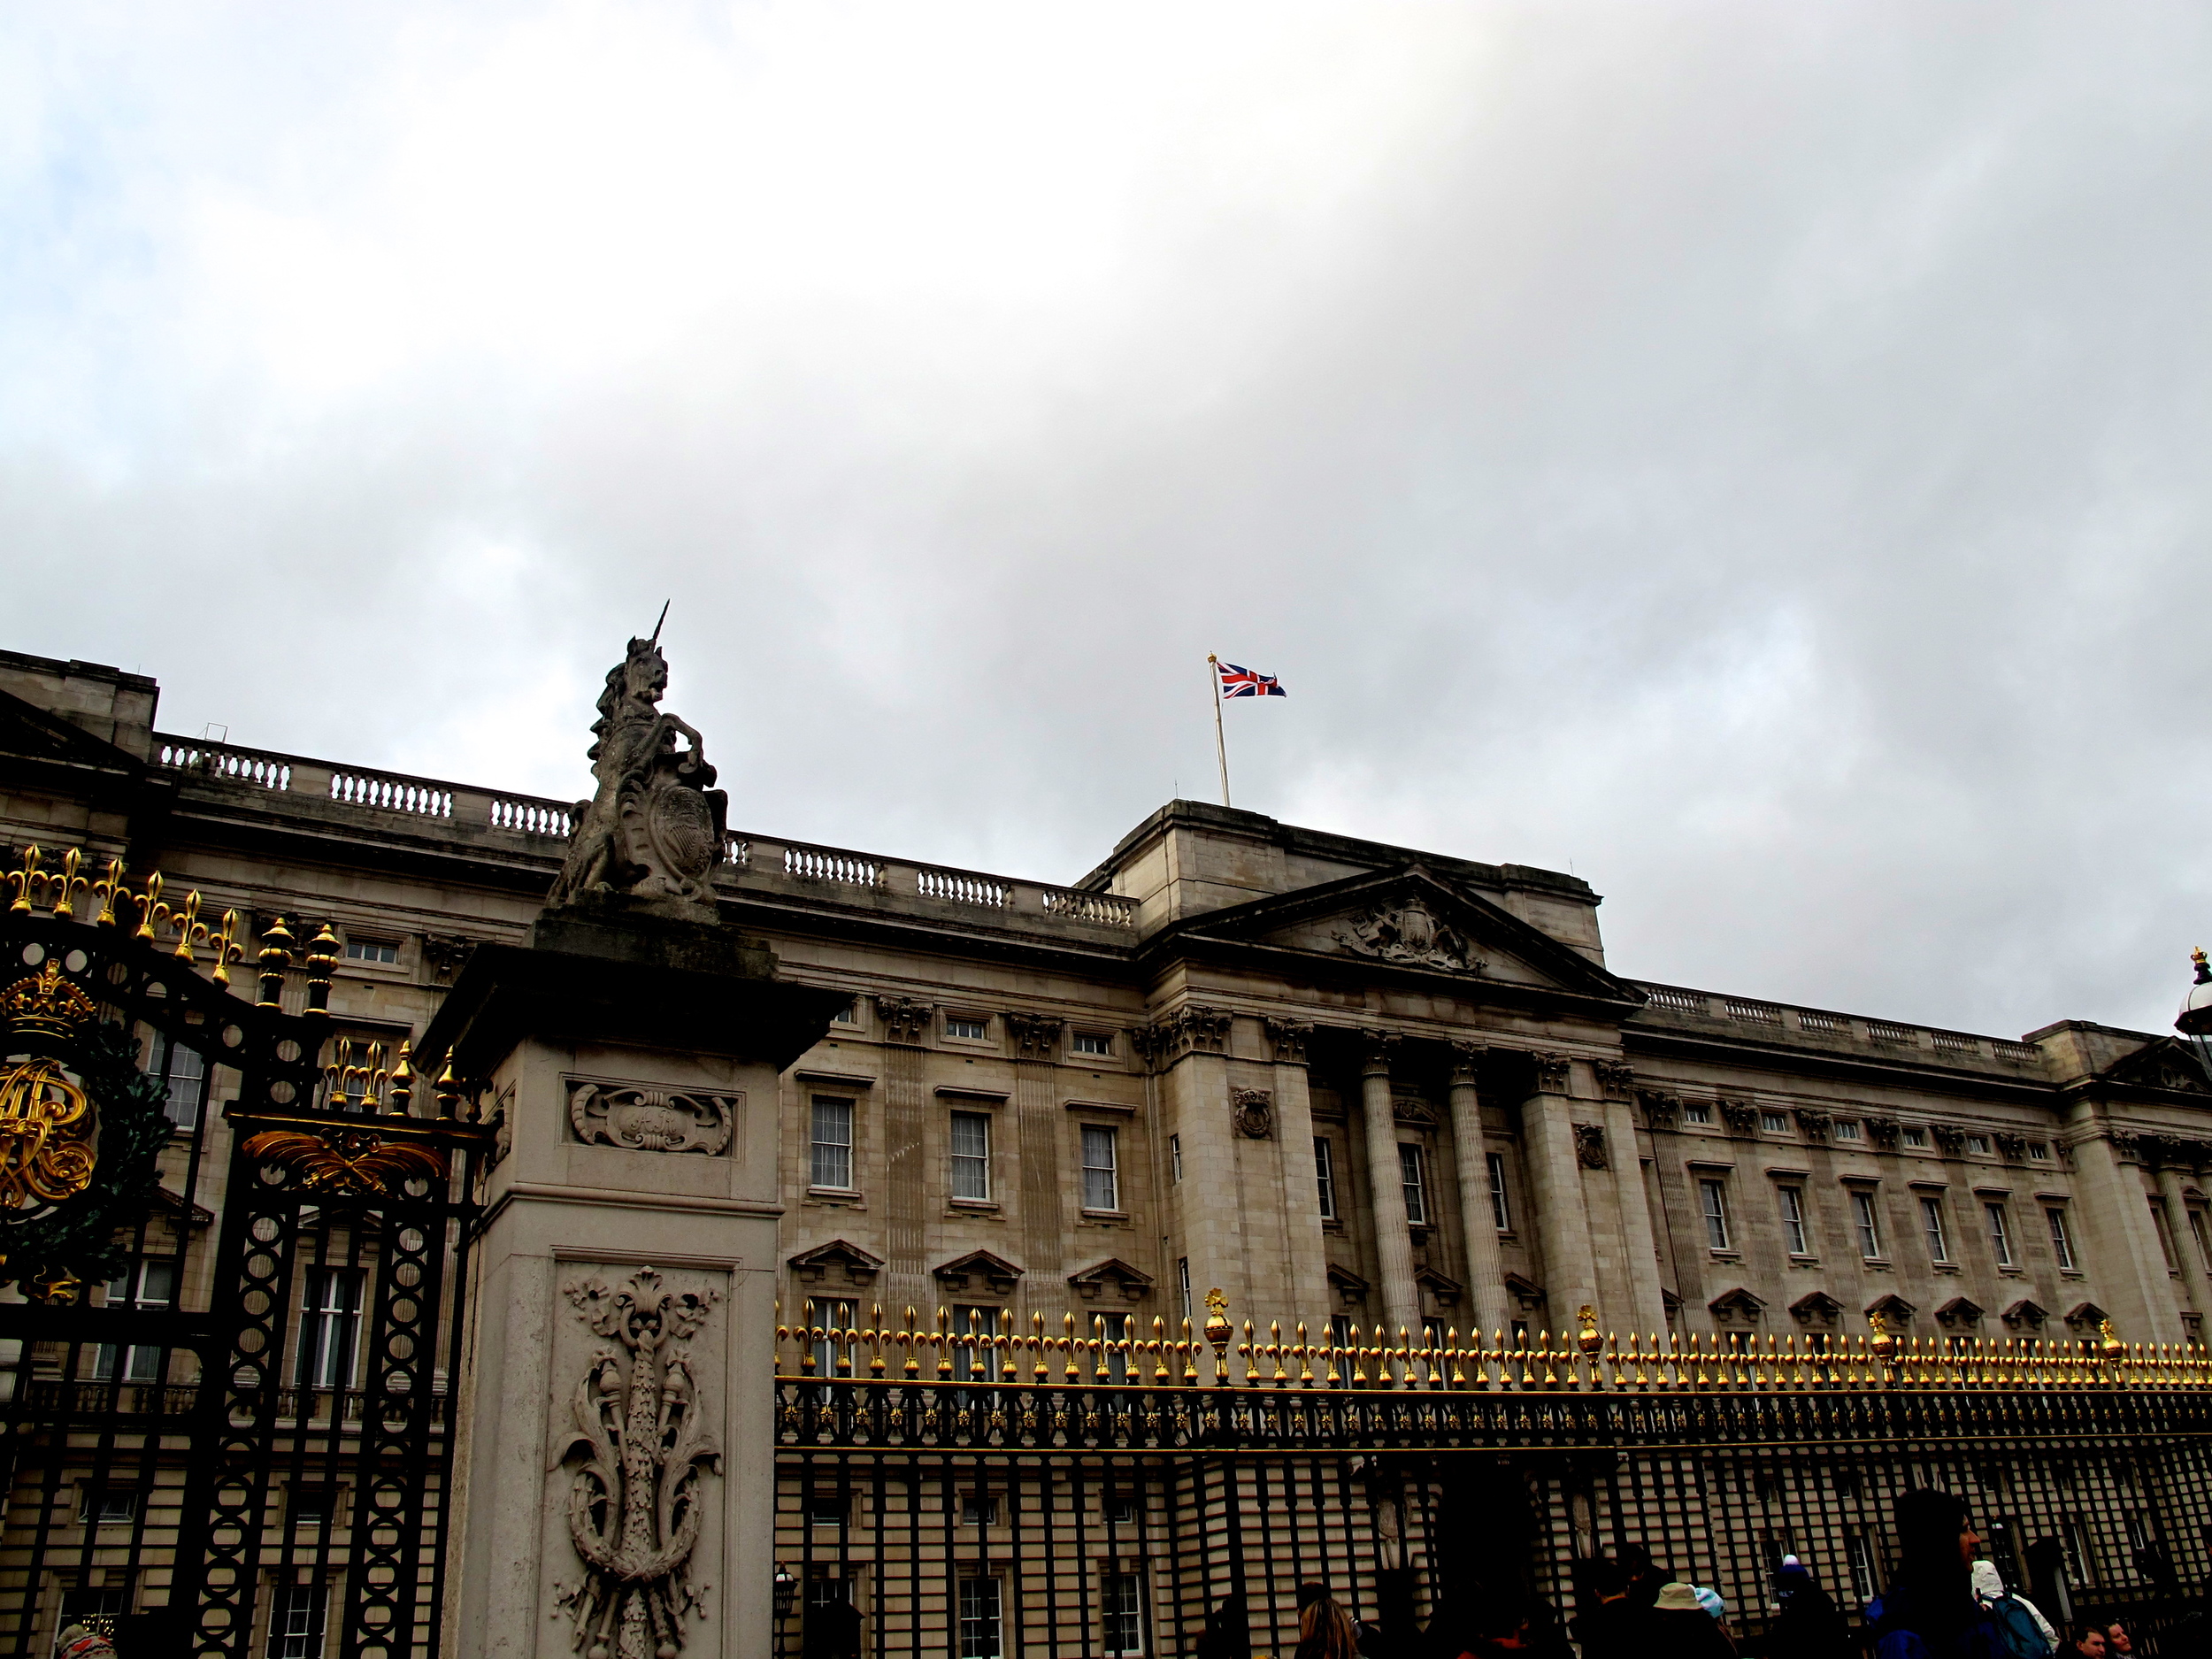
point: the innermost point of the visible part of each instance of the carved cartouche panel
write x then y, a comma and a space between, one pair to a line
1409, 934
634, 1440
651, 1119
1254, 1109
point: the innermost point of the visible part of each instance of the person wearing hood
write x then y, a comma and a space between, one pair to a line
1929, 1611
1681, 1627
1810, 1626
2023, 1622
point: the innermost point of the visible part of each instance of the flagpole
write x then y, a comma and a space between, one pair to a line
1221, 742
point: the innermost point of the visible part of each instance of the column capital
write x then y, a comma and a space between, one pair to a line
904, 1020
1377, 1047
1035, 1035
1467, 1054
1616, 1079
1289, 1038
1552, 1071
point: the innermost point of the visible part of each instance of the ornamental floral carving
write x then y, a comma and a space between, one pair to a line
1552, 1071
904, 1019
1187, 1030
650, 1121
1883, 1132
1409, 934
1661, 1109
1741, 1117
1254, 1111
1616, 1079
1036, 1036
1289, 1038
1812, 1123
635, 1504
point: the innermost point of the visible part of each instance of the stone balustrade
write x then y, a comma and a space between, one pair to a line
1663, 1000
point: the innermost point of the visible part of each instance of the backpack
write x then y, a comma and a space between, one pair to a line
2023, 1639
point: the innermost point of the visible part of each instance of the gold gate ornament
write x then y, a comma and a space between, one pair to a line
46, 1136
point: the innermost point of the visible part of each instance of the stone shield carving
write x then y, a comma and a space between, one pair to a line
641, 1455
1409, 934
650, 1121
1254, 1109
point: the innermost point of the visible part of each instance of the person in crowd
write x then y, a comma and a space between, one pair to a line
1681, 1627
1326, 1630
78, 1642
2089, 1642
2028, 1634
1928, 1610
1228, 1632
1611, 1626
1644, 1580
1809, 1625
2117, 1641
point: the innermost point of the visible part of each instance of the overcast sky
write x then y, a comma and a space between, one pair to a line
1753, 455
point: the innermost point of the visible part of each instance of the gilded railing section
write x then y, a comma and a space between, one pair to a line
74, 884
1080, 1353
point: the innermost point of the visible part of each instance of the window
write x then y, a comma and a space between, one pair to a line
1793, 1220
1861, 1555
1498, 1211
1870, 1235
1175, 1158
1978, 1144
1999, 1234
372, 950
1101, 1186
2062, 1241
1324, 1176
2039, 1151
1697, 1111
2078, 1557
979, 1619
972, 1157
1410, 1177
295, 1622
107, 1506
1931, 1225
834, 1316
1114, 1327
329, 1310
156, 1283
95, 1610
848, 1015
1122, 1600
1915, 1137
1848, 1129
1182, 1280
1715, 1202
978, 1509
1093, 1043
963, 1025
832, 1161
2163, 1228
183, 1077
310, 1506
1120, 1505
1773, 1124
2204, 1245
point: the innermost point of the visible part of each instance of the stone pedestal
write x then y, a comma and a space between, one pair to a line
625, 1268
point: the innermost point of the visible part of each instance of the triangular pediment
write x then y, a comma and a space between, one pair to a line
2164, 1062
1410, 921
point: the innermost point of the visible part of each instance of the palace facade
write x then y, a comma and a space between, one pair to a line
1349, 1084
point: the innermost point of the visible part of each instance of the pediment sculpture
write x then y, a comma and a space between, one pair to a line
653, 829
1410, 933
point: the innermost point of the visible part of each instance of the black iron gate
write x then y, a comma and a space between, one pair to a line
228, 1425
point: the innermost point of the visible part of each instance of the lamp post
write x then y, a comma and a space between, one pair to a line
787, 1593
2195, 1020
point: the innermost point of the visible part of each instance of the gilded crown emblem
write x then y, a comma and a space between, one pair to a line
45, 1004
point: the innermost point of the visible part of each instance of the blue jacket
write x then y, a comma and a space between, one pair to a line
1908, 1625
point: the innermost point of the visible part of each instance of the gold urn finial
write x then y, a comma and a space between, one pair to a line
2114, 1349
1588, 1340
1884, 1344
1217, 1332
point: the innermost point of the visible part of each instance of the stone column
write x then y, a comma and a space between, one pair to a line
1047, 1205
1385, 1190
626, 1266
1478, 1221
2116, 1241
2160, 1153
1190, 1048
1563, 1229
1644, 1309
1308, 1271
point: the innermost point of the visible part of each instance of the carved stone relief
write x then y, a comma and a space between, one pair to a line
1883, 1132
1661, 1109
445, 955
1409, 934
640, 1452
1416, 1113
1590, 1145
1254, 1109
1377, 1047
904, 1019
1187, 1030
1950, 1138
1552, 1072
651, 1120
1616, 1079
1813, 1124
1741, 1117
1467, 1056
1036, 1036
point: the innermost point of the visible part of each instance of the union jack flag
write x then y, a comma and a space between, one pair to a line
1242, 682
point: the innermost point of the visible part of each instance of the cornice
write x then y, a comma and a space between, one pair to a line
1922, 1078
